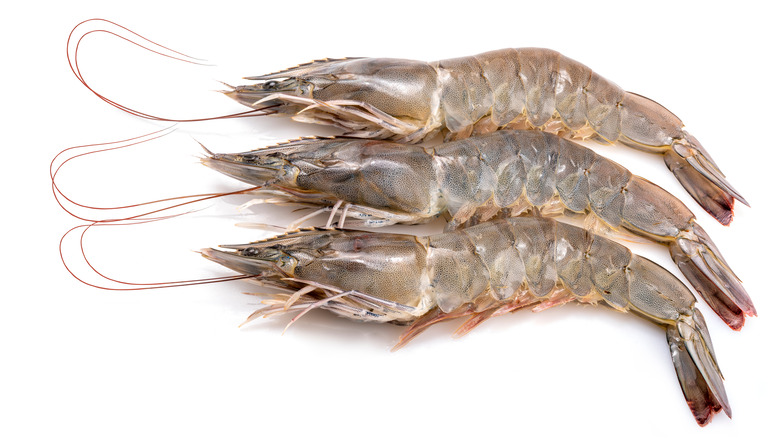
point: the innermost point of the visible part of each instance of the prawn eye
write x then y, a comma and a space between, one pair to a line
270, 84
250, 252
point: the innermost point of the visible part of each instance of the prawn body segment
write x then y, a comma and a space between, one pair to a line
410, 101
503, 174
481, 271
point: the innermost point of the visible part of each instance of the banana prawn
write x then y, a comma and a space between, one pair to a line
480, 272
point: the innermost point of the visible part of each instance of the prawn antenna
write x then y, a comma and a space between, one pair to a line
120, 285
78, 34
67, 203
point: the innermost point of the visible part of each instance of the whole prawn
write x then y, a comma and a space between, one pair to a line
506, 173
530, 88
482, 271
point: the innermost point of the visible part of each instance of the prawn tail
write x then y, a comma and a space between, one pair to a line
703, 265
697, 172
697, 369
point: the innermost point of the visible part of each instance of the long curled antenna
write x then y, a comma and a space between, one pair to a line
72, 51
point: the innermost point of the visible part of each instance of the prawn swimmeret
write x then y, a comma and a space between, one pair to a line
480, 272
410, 101
505, 173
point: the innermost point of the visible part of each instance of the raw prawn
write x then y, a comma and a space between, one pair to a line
410, 101
482, 271
506, 173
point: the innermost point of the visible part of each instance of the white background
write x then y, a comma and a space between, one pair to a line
172, 362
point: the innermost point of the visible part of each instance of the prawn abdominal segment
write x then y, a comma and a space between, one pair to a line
506, 173
481, 271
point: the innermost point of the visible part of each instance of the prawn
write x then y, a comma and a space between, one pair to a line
479, 272
506, 173
529, 88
